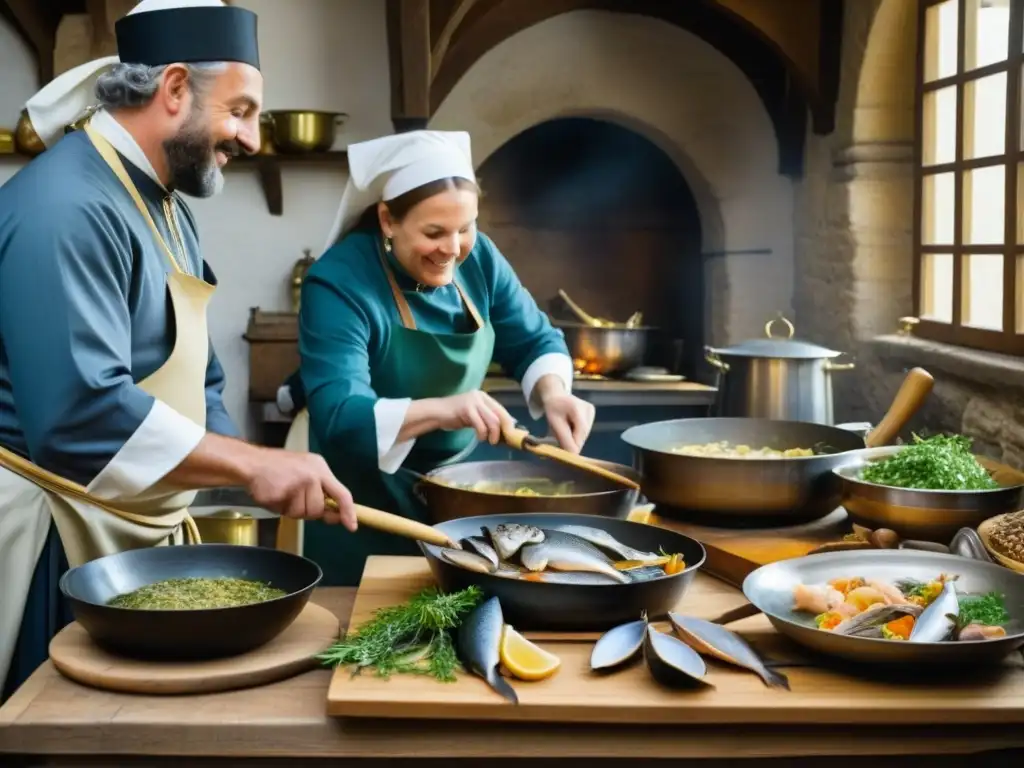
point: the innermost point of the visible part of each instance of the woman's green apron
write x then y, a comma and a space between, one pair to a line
417, 365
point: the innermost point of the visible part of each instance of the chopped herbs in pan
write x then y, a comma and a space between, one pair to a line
196, 593
412, 638
939, 463
989, 610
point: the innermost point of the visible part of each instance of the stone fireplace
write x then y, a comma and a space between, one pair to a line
632, 164
596, 209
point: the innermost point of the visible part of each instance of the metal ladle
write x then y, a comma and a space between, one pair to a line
599, 322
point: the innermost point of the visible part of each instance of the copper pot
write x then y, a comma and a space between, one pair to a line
301, 131
26, 140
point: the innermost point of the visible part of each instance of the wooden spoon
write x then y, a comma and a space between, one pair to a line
909, 399
400, 526
522, 440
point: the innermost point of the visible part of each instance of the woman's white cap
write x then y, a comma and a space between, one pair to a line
384, 168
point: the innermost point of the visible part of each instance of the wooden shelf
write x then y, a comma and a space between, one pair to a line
269, 169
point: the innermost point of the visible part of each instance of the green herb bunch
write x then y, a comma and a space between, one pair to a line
412, 638
939, 463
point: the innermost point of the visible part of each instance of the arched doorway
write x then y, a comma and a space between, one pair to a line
596, 209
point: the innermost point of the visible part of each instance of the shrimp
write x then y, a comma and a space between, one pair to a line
891, 593
815, 599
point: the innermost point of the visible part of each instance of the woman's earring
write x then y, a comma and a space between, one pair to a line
387, 244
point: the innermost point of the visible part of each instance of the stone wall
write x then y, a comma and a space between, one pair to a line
853, 226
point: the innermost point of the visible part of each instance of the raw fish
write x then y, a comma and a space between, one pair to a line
939, 619
478, 643
715, 640
587, 578
468, 560
605, 540
482, 546
868, 623
509, 538
563, 552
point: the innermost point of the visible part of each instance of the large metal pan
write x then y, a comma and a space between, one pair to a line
591, 495
529, 605
931, 515
770, 588
179, 635
785, 490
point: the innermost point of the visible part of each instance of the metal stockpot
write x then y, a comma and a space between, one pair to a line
776, 378
605, 350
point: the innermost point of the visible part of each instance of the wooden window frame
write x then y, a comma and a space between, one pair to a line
1008, 340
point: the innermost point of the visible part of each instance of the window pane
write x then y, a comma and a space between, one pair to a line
937, 287
1020, 200
1019, 313
984, 206
986, 32
937, 215
982, 291
939, 126
985, 116
940, 41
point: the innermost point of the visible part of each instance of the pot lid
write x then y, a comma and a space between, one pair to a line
778, 346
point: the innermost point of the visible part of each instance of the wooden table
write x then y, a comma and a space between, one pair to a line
52, 721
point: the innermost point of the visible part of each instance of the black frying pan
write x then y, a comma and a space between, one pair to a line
535, 606
180, 635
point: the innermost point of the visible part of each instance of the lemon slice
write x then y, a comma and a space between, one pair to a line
525, 660
641, 514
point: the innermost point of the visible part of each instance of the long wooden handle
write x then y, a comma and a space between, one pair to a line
400, 526
521, 440
911, 396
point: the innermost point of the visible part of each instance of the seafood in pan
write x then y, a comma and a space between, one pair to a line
909, 611
566, 554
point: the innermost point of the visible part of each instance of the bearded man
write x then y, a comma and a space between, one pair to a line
110, 394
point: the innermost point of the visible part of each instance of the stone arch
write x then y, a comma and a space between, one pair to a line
684, 96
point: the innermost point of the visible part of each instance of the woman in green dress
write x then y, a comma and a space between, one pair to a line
399, 322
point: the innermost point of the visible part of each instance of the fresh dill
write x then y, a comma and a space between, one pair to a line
412, 638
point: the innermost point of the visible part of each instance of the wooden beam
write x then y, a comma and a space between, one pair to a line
39, 28
415, 47
444, 39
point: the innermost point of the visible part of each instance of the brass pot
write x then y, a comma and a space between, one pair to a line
229, 526
301, 131
26, 140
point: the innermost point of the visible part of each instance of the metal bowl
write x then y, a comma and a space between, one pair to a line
604, 350
595, 495
301, 131
770, 589
179, 635
918, 514
529, 605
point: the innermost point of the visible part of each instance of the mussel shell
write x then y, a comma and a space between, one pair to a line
618, 646
672, 662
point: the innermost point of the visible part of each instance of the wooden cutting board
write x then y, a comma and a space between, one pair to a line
575, 695
77, 657
733, 553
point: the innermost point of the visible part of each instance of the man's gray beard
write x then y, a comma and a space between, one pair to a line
192, 160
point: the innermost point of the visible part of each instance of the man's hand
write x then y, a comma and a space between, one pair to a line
296, 485
286, 482
569, 418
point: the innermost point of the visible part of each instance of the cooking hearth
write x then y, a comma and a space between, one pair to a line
597, 210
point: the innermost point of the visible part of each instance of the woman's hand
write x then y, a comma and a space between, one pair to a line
569, 418
476, 410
